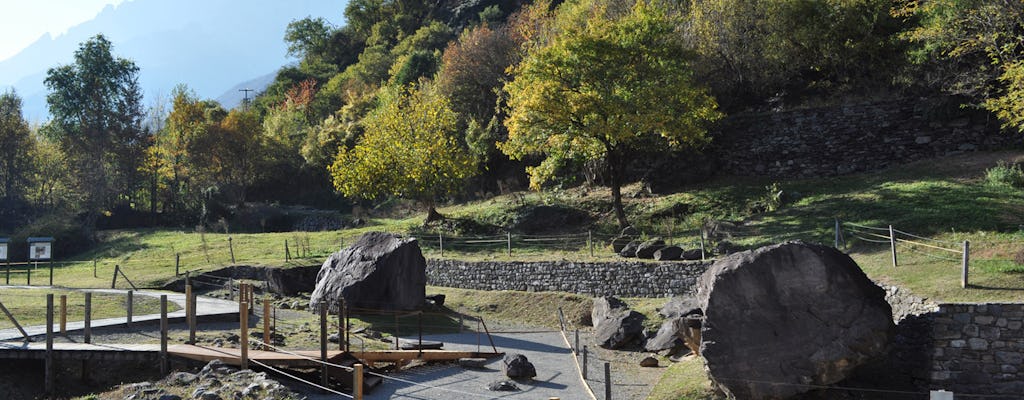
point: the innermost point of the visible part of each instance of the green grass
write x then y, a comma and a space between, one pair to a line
29, 305
684, 380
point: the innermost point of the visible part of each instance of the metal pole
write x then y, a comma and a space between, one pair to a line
577, 348
266, 323
702, 253
88, 317
177, 264
837, 234
49, 344
8, 265
892, 244
966, 261
584, 362
113, 281
28, 276
94, 269
164, 366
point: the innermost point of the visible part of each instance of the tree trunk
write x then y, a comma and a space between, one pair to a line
432, 215
615, 180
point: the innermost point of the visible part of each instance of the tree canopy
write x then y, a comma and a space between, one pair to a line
603, 89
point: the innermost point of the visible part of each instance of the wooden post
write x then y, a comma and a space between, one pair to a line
63, 314
702, 253
51, 272
164, 366
590, 242
88, 317
509, 243
892, 245
584, 369
440, 241
28, 276
129, 304
195, 318
113, 281
231, 248
243, 317
419, 327
460, 322
345, 337
287, 253
94, 269
837, 234
14, 321
49, 381
266, 323
341, 326
177, 264
607, 381
8, 268
966, 260
357, 381
323, 344
577, 348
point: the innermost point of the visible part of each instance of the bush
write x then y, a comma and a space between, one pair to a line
70, 237
1004, 174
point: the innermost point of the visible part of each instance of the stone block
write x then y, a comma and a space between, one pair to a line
957, 343
984, 319
1010, 357
977, 344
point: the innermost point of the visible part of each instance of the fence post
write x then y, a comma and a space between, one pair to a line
287, 252
509, 243
113, 281
28, 276
584, 362
94, 269
177, 264
892, 244
357, 381
266, 322
607, 381
128, 317
51, 272
243, 321
49, 344
323, 344
8, 265
163, 335
231, 248
702, 256
63, 314
837, 234
590, 242
966, 260
440, 241
88, 317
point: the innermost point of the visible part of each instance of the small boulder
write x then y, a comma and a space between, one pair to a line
615, 325
436, 299
649, 362
680, 306
630, 250
620, 242
692, 255
473, 362
668, 253
516, 366
502, 386
646, 249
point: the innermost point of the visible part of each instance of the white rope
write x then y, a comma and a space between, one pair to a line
301, 380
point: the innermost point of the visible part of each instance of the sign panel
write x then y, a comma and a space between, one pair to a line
39, 251
3, 251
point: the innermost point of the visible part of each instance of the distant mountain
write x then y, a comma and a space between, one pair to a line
208, 45
234, 96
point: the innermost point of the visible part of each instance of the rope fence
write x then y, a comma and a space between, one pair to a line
941, 250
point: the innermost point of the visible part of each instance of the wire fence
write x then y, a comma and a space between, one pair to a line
940, 250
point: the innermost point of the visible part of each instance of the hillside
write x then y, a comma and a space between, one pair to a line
946, 199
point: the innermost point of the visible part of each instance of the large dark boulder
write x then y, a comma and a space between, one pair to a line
646, 249
629, 251
379, 271
668, 253
615, 325
516, 366
782, 318
670, 336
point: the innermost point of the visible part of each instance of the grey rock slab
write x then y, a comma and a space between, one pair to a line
379, 271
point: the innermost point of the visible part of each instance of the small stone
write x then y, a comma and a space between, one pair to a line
957, 343
333, 338
984, 319
183, 378
977, 344
503, 386
473, 362
649, 362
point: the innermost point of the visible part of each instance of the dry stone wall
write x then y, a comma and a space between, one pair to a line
844, 139
978, 349
628, 279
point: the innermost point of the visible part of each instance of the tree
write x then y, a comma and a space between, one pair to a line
308, 37
96, 105
409, 150
972, 48
16, 148
603, 89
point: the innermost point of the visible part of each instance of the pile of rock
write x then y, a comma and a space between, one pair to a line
615, 325
629, 245
216, 381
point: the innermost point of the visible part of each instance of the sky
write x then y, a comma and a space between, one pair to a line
24, 21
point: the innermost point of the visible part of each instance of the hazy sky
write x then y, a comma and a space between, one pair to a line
24, 21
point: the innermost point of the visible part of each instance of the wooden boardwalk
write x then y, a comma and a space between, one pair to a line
80, 351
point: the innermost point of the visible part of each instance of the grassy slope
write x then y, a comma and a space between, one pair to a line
29, 305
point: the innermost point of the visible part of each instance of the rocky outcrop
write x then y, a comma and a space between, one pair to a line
379, 271
516, 366
793, 314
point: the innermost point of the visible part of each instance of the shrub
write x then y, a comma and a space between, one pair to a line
1004, 174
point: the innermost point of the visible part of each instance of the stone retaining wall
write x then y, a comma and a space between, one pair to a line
851, 138
978, 349
626, 279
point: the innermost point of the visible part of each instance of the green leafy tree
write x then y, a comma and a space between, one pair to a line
97, 111
603, 89
409, 150
972, 48
16, 149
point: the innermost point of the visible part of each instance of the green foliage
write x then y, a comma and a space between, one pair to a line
308, 37
16, 149
1005, 174
96, 106
604, 89
409, 150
